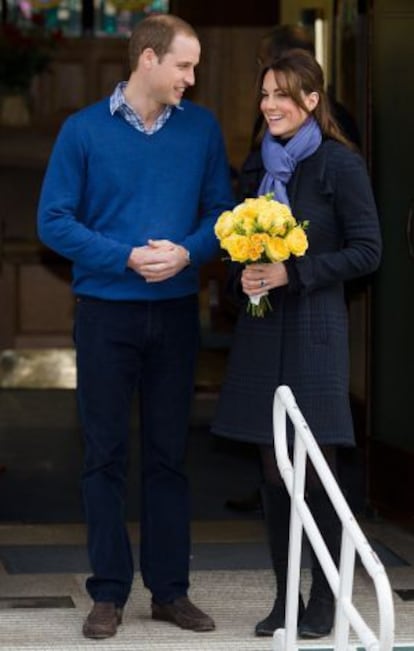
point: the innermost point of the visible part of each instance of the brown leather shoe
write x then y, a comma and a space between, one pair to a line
102, 621
184, 614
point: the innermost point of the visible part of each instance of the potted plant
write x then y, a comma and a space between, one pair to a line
25, 51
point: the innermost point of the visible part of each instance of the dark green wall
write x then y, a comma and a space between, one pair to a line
393, 177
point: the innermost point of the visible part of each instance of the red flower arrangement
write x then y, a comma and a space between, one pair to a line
24, 53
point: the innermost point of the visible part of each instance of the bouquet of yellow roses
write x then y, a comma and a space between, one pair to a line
261, 230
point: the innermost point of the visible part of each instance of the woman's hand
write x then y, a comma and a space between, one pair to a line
258, 278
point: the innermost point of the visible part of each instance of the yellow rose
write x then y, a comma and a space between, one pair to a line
244, 221
238, 247
283, 209
260, 228
279, 226
257, 245
290, 221
282, 218
276, 249
247, 208
297, 241
265, 220
261, 203
224, 225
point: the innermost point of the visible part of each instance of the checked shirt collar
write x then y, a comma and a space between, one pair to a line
118, 103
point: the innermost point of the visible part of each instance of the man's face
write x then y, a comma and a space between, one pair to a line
174, 73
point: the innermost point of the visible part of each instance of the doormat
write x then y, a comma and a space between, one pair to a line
406, 594
36, 602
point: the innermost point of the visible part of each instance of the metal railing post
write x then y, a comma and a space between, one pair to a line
340, 581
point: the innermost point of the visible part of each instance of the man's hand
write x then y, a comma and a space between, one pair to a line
158, 260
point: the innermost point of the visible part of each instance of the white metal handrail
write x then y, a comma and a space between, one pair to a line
353, 539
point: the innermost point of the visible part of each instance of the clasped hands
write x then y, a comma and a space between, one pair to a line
258, 278
158, 260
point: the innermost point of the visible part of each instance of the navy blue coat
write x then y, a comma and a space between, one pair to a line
303, 342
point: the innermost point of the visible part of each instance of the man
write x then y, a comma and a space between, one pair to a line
133, 188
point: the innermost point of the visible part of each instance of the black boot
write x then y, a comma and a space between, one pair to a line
276, 506
247, 504
276, 617
319, 615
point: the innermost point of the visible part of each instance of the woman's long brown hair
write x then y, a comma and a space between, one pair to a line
297, 71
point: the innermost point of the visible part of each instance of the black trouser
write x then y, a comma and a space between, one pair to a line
120, 346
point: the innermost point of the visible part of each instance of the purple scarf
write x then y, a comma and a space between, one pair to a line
280, 161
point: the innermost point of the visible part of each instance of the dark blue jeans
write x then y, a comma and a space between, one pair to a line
121, 346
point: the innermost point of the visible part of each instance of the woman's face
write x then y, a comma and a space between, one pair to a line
283, 116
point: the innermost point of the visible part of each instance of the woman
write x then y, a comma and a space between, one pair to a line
303, 341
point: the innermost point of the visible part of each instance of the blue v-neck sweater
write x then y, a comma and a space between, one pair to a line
108, 187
